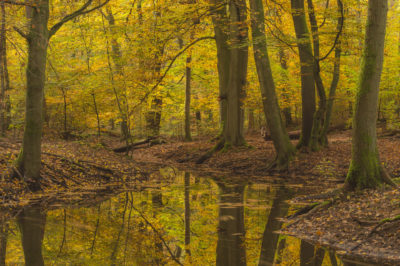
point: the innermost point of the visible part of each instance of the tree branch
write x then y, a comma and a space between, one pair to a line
20, 32
169, 67
81, 11
16, 3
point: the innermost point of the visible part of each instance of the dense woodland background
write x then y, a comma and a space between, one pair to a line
121, 52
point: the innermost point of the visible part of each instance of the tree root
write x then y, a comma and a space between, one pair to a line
219, 146
376, 227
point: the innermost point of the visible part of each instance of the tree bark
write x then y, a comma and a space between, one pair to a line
233, 134
306, 71
4, 99
283, 147
220, 21
29, 162
365, 169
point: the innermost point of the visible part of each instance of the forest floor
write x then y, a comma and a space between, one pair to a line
86, 170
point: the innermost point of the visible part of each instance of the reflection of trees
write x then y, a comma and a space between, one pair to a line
187, 213
3, 241
279, 209
311, 255
31, 222
230, 247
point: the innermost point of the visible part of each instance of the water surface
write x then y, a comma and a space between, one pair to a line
193, 221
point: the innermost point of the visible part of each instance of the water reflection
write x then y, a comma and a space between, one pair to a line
31, 222
194, 221
231, 234
270, 240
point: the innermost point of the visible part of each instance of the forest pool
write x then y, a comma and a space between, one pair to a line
192, 221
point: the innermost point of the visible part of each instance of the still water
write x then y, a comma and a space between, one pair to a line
191, 221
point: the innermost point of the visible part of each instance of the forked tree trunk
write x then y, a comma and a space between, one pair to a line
283, 147
306, 71
233, 133
188, 95
365, 169
29, 162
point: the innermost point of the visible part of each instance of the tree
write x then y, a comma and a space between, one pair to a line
38, 37
306, 71
283, 146
365, 169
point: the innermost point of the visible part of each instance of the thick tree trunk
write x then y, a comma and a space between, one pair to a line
221, 22
233, 133
283, 147
306, 71
365, 168
29, 162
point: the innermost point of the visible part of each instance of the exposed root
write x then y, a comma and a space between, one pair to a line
376, 227
387, 179
219, 146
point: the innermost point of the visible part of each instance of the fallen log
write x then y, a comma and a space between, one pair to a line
129, 147
293, 135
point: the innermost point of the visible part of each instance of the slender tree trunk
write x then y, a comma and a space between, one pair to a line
251, 126
188, 95
306, 71
3, 73
319, 115
221, 22
97, 113
283, 147
29, 161
365, 169
116, 55
233, 134
335, 80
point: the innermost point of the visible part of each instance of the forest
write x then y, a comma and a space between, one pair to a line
199, 132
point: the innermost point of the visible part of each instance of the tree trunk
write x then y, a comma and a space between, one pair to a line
365, 169
233, 134
335, 81
188, 135
4, 100
221, 22
283, 147
29, 162
306, 71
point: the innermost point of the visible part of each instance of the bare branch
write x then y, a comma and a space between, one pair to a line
20, 32
17, 3
81, 11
